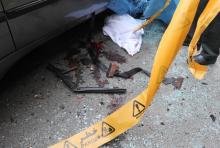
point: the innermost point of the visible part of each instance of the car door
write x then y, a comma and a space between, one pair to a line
6, 43
31, 20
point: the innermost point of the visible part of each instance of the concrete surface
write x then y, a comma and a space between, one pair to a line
37, 110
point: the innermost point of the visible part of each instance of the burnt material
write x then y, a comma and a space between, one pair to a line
112, 70
67, 80
100, 90
132, 72
178, 83
213, 117
114, 56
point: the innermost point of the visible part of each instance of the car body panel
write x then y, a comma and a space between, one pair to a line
34, 27
6, 42
9, 4
45, 20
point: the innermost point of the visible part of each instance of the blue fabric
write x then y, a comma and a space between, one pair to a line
145, 7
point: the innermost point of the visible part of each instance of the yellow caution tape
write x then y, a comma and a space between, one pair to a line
153, 17
131, 113
211, 11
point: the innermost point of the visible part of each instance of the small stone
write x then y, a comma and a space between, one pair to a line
38, 96
85, 61
12, 120
113, 68
162, 123
203, 83
213, 117
43, 78
141, 125
62, 107
92, 68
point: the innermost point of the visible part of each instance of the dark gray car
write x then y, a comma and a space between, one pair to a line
25, 24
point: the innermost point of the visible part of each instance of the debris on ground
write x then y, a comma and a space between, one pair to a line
162, 123
62, 106
71, 60
67, 80
113, 71
178, 83
85, 61
114, 57
100, 90
115, 103
98, 79
132, 72
38, 96
113, 68
213, 117
203, 83
94, 49
70, 70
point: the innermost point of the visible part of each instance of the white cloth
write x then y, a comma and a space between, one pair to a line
120, 29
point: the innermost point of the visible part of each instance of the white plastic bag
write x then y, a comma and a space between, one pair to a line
120, 28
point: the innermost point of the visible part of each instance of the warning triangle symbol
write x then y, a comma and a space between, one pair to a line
138, 108
107, 129
67, 144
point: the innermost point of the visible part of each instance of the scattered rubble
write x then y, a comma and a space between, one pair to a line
114, 57
62, 107
97, 77
112, 70
100, 90
178, 83
115, 103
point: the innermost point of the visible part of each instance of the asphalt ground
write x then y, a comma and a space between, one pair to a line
37, 109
